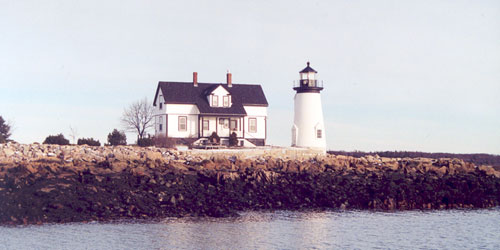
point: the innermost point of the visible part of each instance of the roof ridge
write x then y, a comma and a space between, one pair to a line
212, 83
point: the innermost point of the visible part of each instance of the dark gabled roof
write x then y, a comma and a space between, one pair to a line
187, 93
308, 69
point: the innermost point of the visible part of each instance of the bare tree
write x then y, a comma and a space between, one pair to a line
73, 134
138, 117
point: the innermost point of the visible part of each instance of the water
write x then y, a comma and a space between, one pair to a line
449, 229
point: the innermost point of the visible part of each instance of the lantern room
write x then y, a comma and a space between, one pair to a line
308, 81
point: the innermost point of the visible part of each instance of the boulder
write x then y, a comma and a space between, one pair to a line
489, 170
8, 152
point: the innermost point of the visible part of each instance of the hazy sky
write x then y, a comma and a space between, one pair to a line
398, 75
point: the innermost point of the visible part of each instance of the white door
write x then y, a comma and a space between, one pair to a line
223, 127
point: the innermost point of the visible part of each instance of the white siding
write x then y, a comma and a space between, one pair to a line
178, 109
190, 132
159, 115
188, 110
255, 110
172, 113
260, 114
160, 120
261, 128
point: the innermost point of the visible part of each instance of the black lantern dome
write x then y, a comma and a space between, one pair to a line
308, 81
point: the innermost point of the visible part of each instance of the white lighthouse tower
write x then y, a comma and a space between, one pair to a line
308, 129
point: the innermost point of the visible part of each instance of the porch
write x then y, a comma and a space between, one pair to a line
223, 126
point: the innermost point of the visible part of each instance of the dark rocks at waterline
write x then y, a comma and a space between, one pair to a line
51, 190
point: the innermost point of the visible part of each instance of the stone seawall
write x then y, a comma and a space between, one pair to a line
47, 183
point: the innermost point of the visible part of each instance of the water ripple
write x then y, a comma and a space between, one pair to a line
445, 229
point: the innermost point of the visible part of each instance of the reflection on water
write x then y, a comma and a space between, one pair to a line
450, 229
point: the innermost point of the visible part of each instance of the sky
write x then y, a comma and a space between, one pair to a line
398, 75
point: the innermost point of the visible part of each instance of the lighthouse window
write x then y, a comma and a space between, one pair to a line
252, 125
319, 133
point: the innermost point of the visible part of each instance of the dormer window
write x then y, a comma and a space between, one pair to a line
161, 105
215, 101
219, 97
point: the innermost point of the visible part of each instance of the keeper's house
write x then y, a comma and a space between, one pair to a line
189, 112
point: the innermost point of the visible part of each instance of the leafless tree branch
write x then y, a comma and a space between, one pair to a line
138, 117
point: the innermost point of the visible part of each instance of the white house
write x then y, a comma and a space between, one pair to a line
190, 112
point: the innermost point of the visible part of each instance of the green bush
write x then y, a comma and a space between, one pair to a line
233, 140
214, 138
56, 139
88, 141
117, 138
4, 130
145, 142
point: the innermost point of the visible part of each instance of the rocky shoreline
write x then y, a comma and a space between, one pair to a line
51, 183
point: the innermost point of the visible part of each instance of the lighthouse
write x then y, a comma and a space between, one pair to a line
308, 130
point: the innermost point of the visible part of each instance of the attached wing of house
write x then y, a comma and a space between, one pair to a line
192, 111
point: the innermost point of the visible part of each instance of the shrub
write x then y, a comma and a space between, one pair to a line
4, 130
233, 139
88, 141
56, 139
168, 142
145, 142
214, 138
117, 138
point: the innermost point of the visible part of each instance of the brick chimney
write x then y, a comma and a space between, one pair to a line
229, 80
195, 79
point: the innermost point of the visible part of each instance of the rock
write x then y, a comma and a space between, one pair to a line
440, 171
8, 152
208, 164
153, 155
489, 170
392, 165
132, 182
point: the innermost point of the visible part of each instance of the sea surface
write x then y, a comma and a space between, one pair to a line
441, 229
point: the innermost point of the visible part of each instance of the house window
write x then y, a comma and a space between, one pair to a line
252, 125
205, 125
233, 125
182, 123
161, 105
224, 122
319, 133
161, 127
225, 101
215, 101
